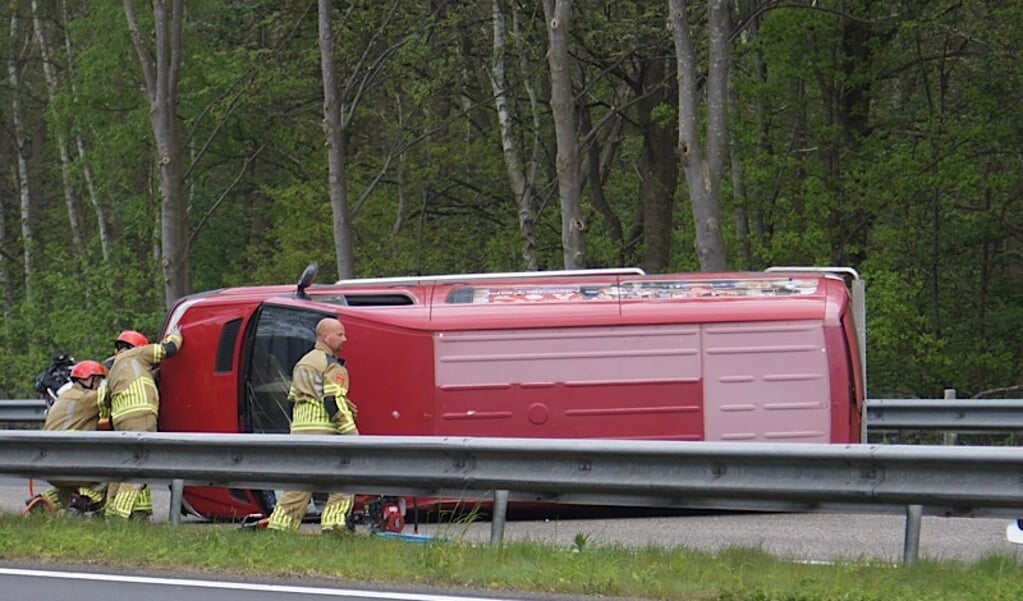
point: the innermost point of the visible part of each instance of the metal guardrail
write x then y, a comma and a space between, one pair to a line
751, 476
945, 415
883, 415
557, 470
584, 471
23, 410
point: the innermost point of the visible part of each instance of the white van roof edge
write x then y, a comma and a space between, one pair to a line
493, 276
829, 270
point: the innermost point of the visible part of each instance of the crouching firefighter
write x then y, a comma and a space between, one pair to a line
78, 408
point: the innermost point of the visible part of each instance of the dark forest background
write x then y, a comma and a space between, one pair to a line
151, 150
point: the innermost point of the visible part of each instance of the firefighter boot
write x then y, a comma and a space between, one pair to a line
87, 501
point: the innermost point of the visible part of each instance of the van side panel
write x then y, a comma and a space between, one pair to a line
766, 381
639, 382
392, 376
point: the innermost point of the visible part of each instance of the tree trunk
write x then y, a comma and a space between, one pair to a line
21, 142
333, 129
97, 206
573, 240
594, 177
742, 220
6, 260
536, 154
90, 183
858, 38
658, 172
757, 196
522, 189
161, 69
52, 85
703, 175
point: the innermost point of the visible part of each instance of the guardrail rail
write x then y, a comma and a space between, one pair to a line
803, 477
741, 476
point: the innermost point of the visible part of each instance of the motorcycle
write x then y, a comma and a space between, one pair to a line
51, 381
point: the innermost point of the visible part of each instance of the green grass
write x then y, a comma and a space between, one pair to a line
582, 568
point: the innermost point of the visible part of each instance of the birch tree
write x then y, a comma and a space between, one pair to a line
161, 67
339, 105
21, 145
90, 180
334, 130
6, 261
703, 168
558, 15
520, 176
52, 88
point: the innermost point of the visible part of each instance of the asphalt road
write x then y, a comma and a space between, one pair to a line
29, 584
801, 537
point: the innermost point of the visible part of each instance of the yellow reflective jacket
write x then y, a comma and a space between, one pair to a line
130, 387
318, 375
78, 408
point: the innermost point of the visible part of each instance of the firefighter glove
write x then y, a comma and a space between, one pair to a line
172, 343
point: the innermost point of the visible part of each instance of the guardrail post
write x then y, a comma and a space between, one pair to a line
177, 494
497, 520
911, 546
950, 438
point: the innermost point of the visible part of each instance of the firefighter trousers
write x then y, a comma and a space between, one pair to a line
131, 499
291, 507
82, 496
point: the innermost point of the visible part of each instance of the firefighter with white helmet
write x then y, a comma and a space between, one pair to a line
77, 408
134, 403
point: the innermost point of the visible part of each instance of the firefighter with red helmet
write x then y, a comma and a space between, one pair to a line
134, 403
77, 408
320, 405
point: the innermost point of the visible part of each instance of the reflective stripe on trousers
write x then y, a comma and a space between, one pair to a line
291, 508
124, 498
128, 500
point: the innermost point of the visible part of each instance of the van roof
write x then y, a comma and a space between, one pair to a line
580, 298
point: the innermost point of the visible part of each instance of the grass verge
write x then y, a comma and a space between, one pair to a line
651, 573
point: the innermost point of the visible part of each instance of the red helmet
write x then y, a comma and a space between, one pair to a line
133, 338
87, 369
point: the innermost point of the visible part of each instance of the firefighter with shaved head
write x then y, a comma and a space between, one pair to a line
133, 400
320, 405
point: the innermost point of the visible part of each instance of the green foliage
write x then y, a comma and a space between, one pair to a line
885, 141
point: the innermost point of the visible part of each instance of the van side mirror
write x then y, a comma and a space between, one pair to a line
306, 280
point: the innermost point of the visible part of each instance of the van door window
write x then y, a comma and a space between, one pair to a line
282, 335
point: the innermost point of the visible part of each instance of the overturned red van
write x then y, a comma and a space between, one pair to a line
768, 356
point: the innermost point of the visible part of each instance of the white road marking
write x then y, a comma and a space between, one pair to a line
241, 586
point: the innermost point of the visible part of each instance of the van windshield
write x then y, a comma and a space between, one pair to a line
281, 336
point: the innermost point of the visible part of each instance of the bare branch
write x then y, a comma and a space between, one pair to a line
223, 195
145, 58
